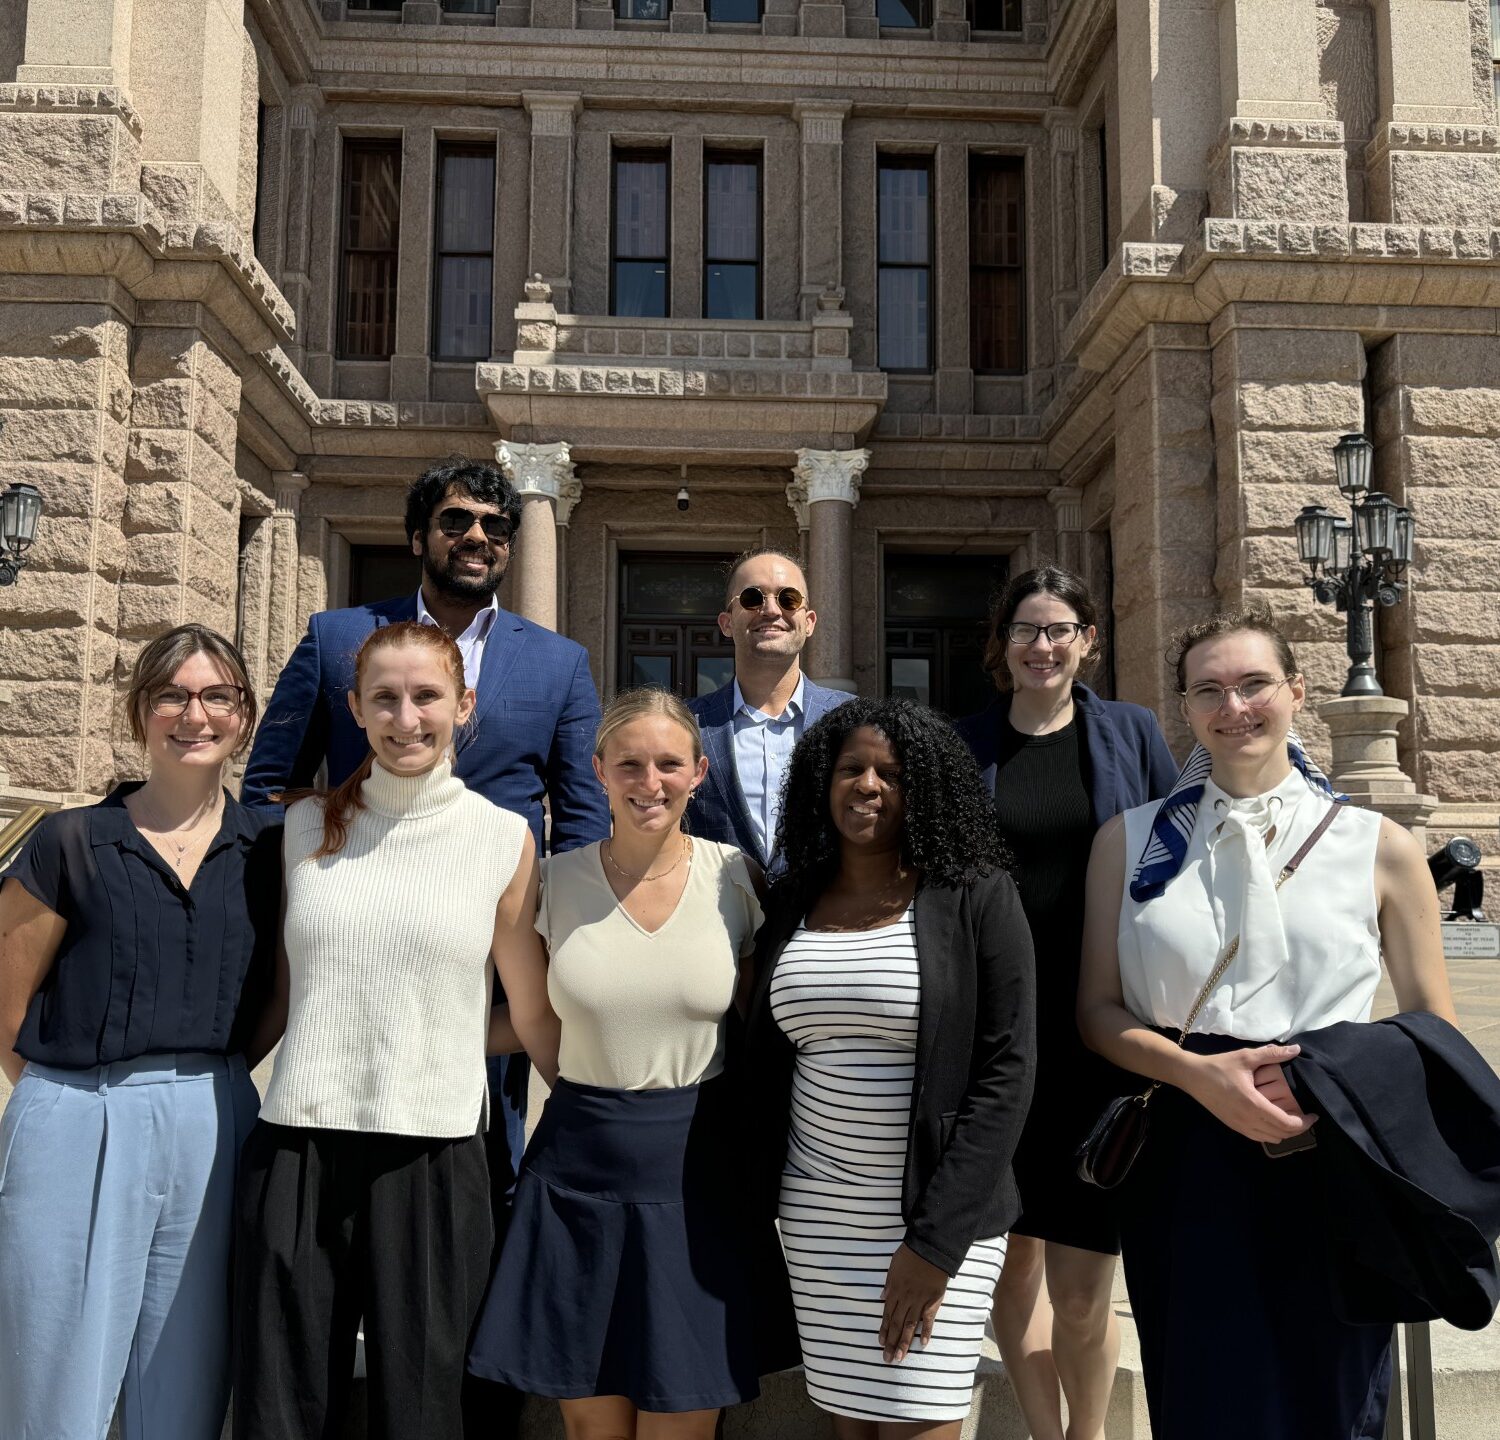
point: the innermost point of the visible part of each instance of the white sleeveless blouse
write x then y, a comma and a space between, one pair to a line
1309, 954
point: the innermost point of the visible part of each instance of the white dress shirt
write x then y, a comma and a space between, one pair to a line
471, 643
762, 746
1309, 953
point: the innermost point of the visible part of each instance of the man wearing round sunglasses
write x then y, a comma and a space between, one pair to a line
531, 735
751, 725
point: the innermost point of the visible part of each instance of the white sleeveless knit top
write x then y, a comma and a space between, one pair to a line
388, 943
1309, 953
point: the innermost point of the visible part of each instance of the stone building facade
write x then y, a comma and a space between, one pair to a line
1016, 280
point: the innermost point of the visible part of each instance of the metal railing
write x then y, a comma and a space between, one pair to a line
16, 831
1421, 1409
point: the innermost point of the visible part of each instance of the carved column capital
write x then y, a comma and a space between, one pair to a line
822, 121
1067, 508
551, 113
825, 475
289, 486
542, 470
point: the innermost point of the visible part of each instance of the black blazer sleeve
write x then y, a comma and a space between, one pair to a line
959, 1199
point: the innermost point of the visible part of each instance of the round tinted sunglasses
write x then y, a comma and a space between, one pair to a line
456, 522
753, 597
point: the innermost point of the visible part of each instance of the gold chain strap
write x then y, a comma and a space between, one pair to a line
1230, 951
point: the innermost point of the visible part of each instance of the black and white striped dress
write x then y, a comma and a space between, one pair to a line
849, 1002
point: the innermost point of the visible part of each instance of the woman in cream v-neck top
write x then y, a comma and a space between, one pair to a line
625, 1285
643, 1009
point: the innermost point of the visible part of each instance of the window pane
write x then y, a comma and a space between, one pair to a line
374, 4
641, 9
995, 320
996, 211
674, 587
372, 197
469, 7
640, 288
909, 680
713, 672
463, 307
653, 670
731, 292
640, 208
467, 189
899, 14
903, 214
734, 12
903, 320
996, 15
733, 210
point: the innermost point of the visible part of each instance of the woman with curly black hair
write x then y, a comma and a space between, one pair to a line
890, 1041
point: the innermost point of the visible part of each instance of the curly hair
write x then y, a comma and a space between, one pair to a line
483, 482
951, 834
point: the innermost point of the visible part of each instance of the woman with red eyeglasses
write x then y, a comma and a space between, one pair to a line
1060, 762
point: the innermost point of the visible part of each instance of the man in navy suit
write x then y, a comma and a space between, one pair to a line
751, 725
535, 714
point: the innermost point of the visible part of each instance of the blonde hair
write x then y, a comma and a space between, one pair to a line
645, 700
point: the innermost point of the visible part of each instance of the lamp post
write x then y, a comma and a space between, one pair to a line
1358, 563
20, 509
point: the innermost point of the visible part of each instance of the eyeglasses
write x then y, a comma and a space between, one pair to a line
1255, 694
1059, 632
753, 597
219, 700
456, 522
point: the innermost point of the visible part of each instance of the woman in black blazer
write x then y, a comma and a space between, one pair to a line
890, 1044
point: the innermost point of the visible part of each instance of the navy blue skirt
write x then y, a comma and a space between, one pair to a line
624, 1270
1228, 1278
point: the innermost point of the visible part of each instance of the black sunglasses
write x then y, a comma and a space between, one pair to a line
456, 522
753, 597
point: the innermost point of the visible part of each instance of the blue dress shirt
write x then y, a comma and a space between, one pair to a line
763, 745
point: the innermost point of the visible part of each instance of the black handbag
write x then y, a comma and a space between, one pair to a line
1110, 1149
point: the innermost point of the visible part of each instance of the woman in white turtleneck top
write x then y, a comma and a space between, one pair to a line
364, 1188
1221, 1257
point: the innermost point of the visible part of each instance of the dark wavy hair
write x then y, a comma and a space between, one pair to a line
484, 482
951, 831
1050, 580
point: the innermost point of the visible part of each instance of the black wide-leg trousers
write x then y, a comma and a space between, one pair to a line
337, 1225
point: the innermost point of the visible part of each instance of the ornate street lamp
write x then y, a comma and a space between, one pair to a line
1358, 563
20, 509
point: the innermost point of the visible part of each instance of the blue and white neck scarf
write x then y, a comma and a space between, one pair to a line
1172, 827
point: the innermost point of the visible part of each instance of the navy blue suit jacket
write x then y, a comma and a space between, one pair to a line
719, 811
535, 716
1129, 763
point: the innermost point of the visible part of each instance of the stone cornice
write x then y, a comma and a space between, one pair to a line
1085, 30
679, 382
1463, 139
71, 99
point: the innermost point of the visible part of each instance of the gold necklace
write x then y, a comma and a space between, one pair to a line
686, 848
193, 834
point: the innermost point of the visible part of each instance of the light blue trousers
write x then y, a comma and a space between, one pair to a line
116, 1238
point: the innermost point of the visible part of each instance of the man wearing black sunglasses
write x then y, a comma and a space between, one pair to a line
532, 733
751, 724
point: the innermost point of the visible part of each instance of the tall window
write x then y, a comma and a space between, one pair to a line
995, 14
936, 623
731, 237
669, 631
903, 14
997, 253
641, 9
371, 236
464, 258
640, 270
904, 261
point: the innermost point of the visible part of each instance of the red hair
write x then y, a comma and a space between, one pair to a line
340, 803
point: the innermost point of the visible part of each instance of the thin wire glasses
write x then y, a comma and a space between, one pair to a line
1255, 693
218, 700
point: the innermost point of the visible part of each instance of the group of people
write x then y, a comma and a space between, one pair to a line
827, 992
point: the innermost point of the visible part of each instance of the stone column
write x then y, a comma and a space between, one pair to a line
411, 365
953, 377
552, 124
301, 173
286, 622
549, 488
824, 491
1067, 508
1363, 730
1433, 157
1062, 129
822, 209
77, 42
1168, 116
1278, 155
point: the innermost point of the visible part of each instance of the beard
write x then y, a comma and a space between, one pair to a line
450, 581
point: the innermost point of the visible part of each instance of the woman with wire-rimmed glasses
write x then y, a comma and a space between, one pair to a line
136, 942
1060, 762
